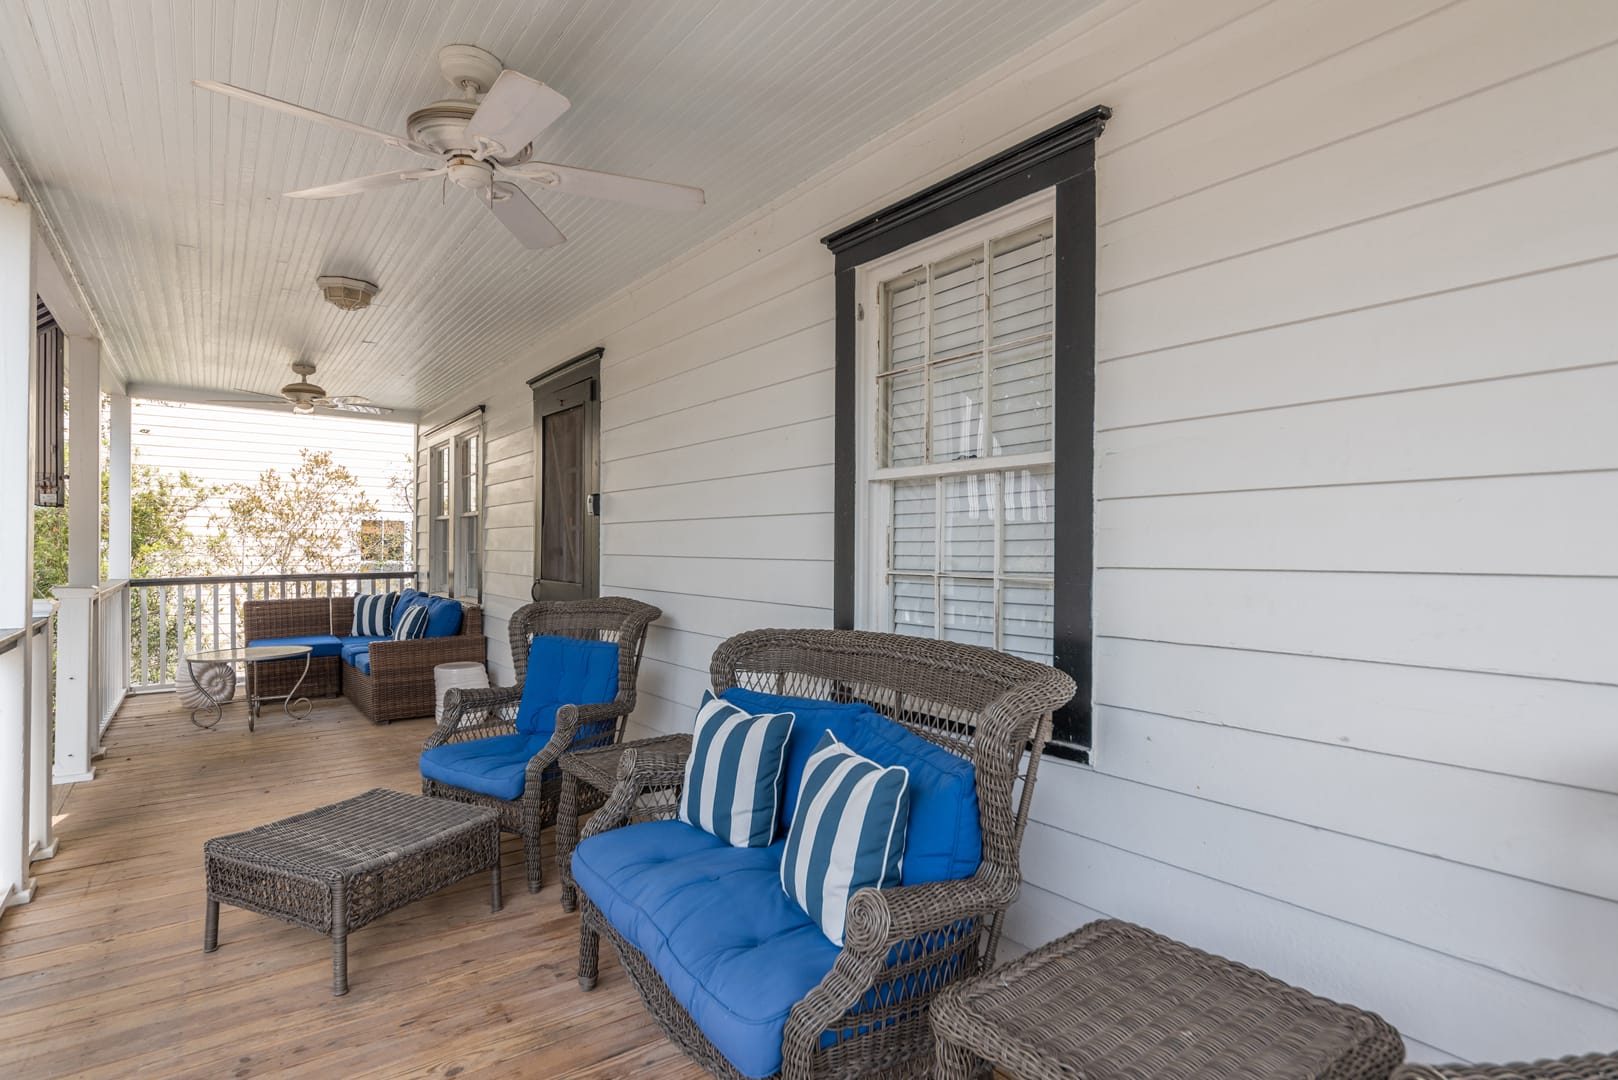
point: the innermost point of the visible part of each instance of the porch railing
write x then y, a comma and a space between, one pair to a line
25, 747
172, 618
93, 672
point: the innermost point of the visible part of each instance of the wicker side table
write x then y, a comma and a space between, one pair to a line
598, 770
337, 868
1114, 1001
1576, 1067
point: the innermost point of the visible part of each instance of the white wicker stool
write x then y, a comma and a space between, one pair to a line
465, 674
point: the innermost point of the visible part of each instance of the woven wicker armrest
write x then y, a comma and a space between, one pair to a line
639, 772
476, 713
571, 721
879, 919
395, 658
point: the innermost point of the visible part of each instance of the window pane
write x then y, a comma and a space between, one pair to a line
1025, 621
957, 307
904, 410
969, 612
561, 519
969, 523
907, 322
915, 526
1030, 522
1022, 292
957, 425
914, 607
1023, 398
469, 475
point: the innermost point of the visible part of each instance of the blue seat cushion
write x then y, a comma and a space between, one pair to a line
944, 839
356, 645
495, 766
565, 671
443, 616
713, 920
319, 644
359, 660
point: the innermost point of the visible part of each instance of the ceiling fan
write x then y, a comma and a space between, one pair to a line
305, 397
482, 141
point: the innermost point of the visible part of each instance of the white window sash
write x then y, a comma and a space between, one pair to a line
873, 481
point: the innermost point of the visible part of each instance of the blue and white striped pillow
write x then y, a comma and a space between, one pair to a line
847, 833
373, 614
733, 776
412, 624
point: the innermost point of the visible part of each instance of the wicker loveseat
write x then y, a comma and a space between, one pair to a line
698, 925
399, 683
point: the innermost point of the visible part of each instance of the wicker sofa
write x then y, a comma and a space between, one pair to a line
399, 685
867, 1015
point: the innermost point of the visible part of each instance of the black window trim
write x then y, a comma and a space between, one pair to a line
1063, 158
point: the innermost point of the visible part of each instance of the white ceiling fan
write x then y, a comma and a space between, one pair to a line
305, 397
482, 142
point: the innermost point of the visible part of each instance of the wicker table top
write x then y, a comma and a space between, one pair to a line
599, 767
1112, 1001
375, 828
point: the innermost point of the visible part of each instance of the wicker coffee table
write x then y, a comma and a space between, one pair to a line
335, 869
598, 769
1113, 1001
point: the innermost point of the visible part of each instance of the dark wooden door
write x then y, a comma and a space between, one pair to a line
567, 500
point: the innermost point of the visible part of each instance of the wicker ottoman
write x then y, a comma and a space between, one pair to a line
335, 869
1113, 1001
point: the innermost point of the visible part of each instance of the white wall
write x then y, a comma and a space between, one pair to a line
1357, 474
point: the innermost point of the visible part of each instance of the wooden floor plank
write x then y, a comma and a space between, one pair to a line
103, 975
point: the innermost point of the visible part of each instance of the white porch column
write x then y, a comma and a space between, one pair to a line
41, 835
120, 537
16, 539
78, 697
84, 461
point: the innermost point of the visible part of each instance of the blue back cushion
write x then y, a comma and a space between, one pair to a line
565, 671
443, 616
945, 840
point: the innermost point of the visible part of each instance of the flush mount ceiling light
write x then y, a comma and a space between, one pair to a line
347, 293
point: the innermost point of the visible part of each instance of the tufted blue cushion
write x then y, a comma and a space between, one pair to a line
664, 884
319, 644
353, 646
565, 671
443, 617
495, 766
944, 841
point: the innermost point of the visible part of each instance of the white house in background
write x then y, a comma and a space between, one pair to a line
220, 445
1304, 462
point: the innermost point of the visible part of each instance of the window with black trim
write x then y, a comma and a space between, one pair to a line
966, 411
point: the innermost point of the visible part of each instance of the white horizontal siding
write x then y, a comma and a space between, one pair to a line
1357, 479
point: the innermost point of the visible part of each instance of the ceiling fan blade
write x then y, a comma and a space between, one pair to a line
369, 410
605, 185
344, 399
252, 97
515, 109
254, 393
518, 213
361, 184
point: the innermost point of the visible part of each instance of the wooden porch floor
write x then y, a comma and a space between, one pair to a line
103, 975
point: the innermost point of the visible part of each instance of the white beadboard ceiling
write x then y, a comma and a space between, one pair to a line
167, 199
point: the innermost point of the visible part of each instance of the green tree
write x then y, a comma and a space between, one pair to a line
307, 521
161, 545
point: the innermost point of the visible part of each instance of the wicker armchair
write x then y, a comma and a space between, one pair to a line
476, 714
1585, 1067
902, 944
